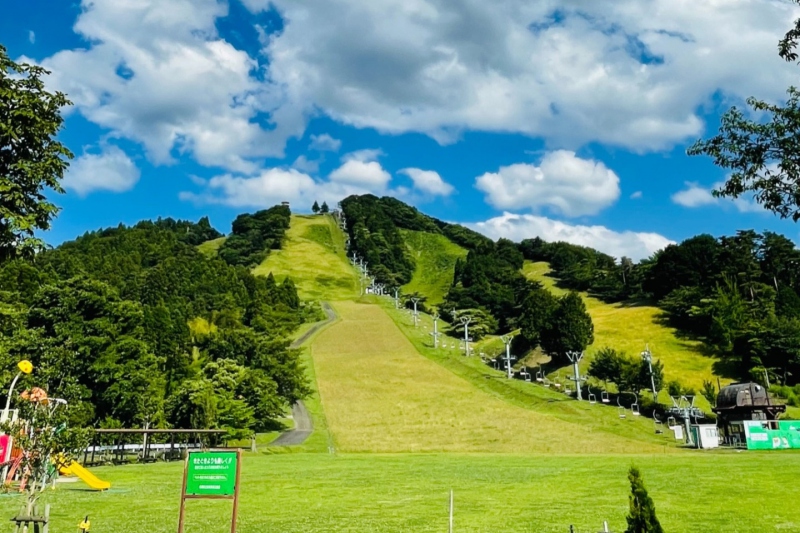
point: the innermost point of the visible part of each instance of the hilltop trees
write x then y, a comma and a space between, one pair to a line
324, 209
255, 235
315, 207
31, 160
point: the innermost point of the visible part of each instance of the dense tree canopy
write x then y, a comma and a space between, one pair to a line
253, 236
32, 161
135, 327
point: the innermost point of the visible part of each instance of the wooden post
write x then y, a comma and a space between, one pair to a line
182, 514
236, 491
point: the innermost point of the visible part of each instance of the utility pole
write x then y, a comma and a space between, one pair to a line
575, 358
507, 341
436, 330
415, 300
466, 320
647, 356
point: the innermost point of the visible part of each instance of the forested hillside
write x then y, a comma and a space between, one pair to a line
737, 294
134, 326
373, 225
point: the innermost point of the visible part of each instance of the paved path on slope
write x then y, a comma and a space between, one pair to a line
302, 420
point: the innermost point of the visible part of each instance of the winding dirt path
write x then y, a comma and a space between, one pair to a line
303, 426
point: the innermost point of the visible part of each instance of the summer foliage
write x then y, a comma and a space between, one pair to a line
135, 327
31, 160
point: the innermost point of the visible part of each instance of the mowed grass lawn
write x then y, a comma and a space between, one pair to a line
435, 257
319, 493
381, 395
629, 328
313, 255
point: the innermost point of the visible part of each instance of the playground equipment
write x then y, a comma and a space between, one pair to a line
75, 469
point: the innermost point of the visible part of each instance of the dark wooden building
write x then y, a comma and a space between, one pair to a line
739, 402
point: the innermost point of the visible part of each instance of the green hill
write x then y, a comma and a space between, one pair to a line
313, 254
629, 327
435, 257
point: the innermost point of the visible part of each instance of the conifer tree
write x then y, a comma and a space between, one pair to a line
315, 207
324, 209
642, 515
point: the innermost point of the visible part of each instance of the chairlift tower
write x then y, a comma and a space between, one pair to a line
465, 320
575, 358
647, 356
436, 330
507, 341
415, 300
396, 298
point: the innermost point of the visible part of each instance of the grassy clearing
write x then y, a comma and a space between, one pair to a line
436, 257
210, 248
629, 328
381, 395
313, 254
319, 493
598, 420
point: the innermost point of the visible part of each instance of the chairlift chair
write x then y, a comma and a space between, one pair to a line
539, 376
524, 374
604, 397
620, 408
557, 381
635, 407
546, 382
592, 397
658, 424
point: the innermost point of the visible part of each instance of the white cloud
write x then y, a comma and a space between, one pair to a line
621, 72
636, 195
31, 37
110, 170
695, 195
324, 143
365, 155
303, 164
618, 72
274, 185
636, 245
364, 174
428, 182
564, 182
158, 73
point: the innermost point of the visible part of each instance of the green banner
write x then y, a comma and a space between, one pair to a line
764, 435
211, 474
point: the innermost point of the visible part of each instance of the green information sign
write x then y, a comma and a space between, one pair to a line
211, 473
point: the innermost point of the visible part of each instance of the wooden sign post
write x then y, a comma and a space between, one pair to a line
211, 475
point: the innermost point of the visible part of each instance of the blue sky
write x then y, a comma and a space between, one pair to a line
516, 119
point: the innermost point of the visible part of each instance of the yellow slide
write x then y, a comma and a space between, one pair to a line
75, 469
